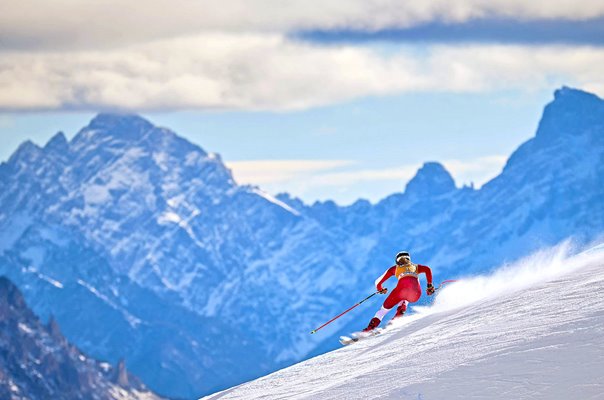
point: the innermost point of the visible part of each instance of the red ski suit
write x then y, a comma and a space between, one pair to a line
407, 288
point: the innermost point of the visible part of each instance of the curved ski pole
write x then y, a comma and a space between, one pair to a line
444, 283
339, 315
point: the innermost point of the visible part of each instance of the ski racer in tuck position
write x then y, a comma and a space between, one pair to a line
406, 290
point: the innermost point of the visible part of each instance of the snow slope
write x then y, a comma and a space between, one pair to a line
532, 330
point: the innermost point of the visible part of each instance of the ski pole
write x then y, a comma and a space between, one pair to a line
339, 315
445, 282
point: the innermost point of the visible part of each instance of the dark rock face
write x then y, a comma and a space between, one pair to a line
38, 363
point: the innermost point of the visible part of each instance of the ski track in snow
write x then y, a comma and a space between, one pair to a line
532, 330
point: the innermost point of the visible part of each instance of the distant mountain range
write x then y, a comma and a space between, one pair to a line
39, 363
143, 246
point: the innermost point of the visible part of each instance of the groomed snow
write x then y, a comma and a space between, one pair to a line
532, 330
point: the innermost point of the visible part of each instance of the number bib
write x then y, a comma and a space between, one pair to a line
406, 270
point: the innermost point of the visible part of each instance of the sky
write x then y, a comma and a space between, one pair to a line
341, 100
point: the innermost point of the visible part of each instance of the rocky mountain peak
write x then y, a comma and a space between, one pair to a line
432, 179
125, 131
120, 376
572, 116
57, 143
25, 153
120, 122
114, 129
572, 113
572, 95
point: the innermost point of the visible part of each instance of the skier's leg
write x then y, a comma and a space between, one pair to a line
400, 310
381, 313
377, 318
392, 300
409, 291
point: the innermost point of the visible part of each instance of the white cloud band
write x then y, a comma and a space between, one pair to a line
235, 54
260, 172
270, 72
342, 180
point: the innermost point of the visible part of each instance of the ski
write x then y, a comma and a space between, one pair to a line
346, 340
359, 336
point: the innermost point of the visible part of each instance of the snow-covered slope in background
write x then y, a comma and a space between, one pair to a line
531, 330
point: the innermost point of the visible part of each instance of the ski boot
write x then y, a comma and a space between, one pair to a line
400, 311
372, 324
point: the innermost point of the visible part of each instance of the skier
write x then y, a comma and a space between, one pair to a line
407, 288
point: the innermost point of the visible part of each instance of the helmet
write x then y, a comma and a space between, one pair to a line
400, 256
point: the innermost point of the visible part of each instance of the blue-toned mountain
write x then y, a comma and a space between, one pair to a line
130, 226
39, 363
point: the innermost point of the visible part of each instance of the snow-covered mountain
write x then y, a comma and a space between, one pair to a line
145, 248
131, 227
532, 330
39, 363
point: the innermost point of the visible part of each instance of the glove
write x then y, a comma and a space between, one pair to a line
430, 290
383, 291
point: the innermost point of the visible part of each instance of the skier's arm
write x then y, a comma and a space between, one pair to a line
378, 282
425, 270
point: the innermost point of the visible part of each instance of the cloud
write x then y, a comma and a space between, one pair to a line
240, 54
399, 174
474, 170
259, 172
477, 170
86, 24
342, 180
487, 30
311, 180
271, 72
209, 71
